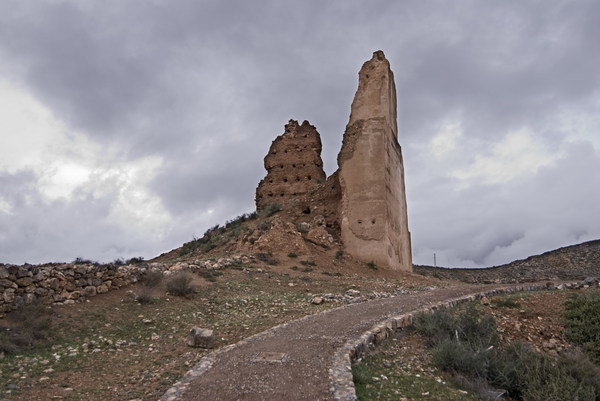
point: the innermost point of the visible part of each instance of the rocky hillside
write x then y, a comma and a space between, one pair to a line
573, 262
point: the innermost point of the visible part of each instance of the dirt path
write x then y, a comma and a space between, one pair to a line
292, 361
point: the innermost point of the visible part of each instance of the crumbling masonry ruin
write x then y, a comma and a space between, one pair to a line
362, 204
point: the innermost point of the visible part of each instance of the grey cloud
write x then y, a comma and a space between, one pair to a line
207, 85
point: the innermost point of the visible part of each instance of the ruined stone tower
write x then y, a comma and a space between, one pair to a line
362, 204
373, 214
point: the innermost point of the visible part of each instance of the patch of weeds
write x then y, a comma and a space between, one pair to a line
271, 209
292, 255
333, 274
505, 302
266, 258
307, 270
306, 279
582, 323
135, 260
378, 378
180, 284
145, 296
466, 346
372, 265
33, 324
294, 267
339, 254
210, 275
264, 225
152, 278
118, 262
308, 263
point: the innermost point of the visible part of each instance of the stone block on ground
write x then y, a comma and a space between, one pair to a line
200, 338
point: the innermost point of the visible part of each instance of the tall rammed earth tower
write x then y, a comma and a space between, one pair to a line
363, 204
373, 213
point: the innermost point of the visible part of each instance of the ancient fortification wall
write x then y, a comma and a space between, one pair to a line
363, 203
294, 167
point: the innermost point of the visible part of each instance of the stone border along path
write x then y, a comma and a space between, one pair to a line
310, 358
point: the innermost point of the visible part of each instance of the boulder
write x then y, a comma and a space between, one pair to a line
200, 338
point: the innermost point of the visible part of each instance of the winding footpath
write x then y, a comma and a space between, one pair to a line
309, 358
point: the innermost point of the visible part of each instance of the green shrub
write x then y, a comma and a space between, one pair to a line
466, 345
505, 302
292, 255
372, 265
135, 260
339, 254
180, 284
271, 209
308, 263
582, 323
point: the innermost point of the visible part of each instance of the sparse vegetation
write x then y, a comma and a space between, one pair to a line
308, 263
339, 254
292, 255
180, 284
372, 265
83, 261
582, 323
271, 209
466, 345
33, 324
210, 275
264, 225
505, 302
266, 258
152, 278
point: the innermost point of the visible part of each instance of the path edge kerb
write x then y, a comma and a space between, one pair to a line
340, 373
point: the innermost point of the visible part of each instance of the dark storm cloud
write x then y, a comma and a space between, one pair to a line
207, 85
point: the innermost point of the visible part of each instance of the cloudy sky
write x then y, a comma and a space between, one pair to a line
128, 127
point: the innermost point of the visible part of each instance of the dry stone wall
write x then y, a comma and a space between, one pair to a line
60, 283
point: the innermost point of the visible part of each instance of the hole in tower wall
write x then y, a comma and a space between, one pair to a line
281, 195
297, 178
309, 178
373, 221
285, 180
281, 165
359, 221
293, 165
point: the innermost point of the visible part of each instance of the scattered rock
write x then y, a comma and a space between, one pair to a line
317, 300
200, 338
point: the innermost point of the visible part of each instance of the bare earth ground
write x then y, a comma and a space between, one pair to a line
111, 349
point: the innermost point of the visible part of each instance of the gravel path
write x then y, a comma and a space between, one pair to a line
292, 361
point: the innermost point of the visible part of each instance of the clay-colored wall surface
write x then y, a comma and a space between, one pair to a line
373, 214
294, 167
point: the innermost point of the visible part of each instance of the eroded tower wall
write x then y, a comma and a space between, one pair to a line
373, 214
